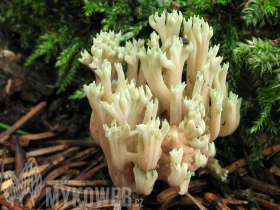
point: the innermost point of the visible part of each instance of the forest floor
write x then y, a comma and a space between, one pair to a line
58, 138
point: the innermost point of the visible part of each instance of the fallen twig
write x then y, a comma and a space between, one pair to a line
242, 162
46, 150
54, 174
22, 121
218, 202
78, 143
200, 206
78, 183
39, 136
267, 204
261, 186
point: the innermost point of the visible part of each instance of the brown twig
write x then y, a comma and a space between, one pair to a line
62, 156
267, 204
22, 121
261, 186
94, 163
13, 205
242, 162
83, 154
236, 165
28, 173
78, 183
39, 136
20, 157
54, 174
271, 150
218, 202
91, 172
78, 143
199, 205
2, 167
84, 176
8, 160
46, 150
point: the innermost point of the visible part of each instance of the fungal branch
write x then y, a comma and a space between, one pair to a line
150, 124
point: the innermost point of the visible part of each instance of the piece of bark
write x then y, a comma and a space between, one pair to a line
261, 186
267, 204
216, 201
271, 150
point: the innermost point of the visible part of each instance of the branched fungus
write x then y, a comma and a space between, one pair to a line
151, 125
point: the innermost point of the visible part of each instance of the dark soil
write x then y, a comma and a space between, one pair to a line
69, 117
22, 88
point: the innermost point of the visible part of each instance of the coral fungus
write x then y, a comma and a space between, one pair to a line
149, 123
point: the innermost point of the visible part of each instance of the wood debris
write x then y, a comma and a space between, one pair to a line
69, 165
